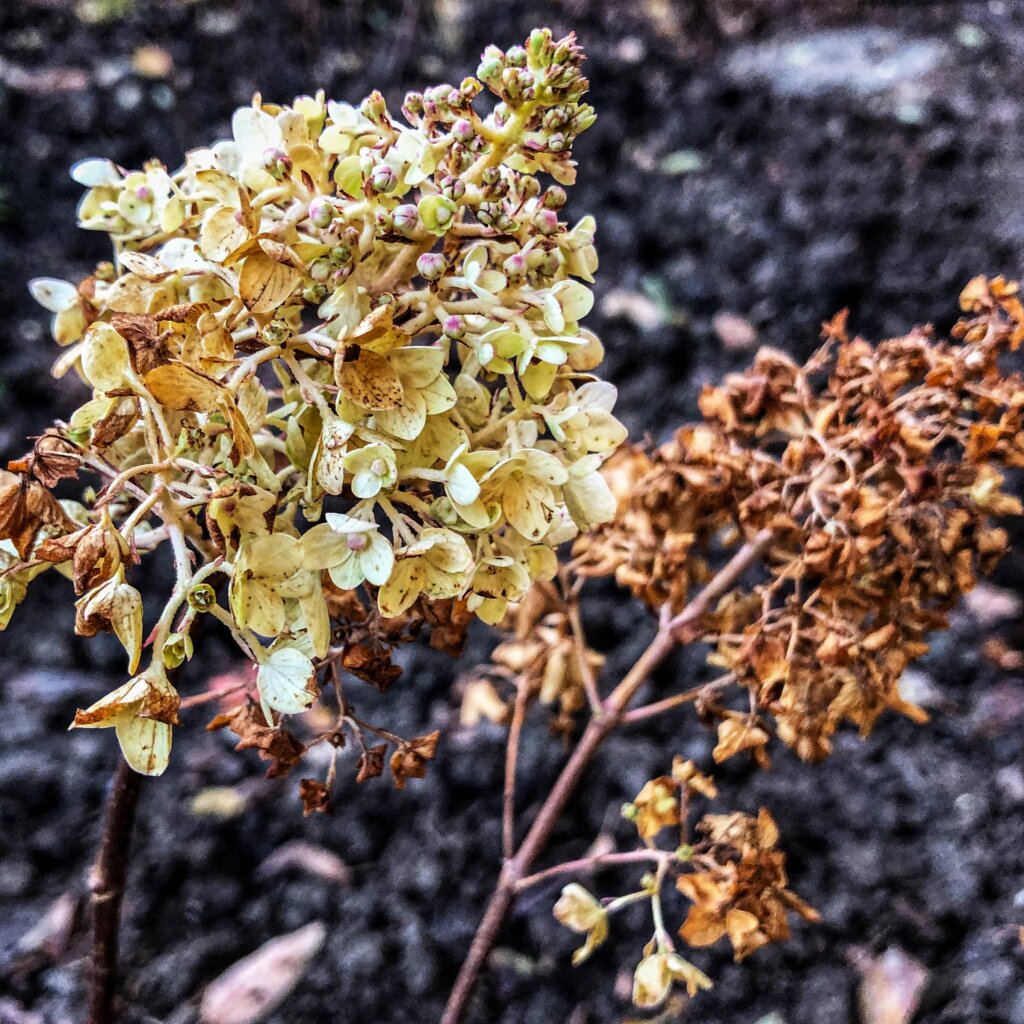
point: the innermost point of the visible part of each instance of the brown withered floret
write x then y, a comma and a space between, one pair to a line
879, 470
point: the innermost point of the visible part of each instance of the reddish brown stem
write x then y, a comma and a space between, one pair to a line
671, 632
108, 890
508, 817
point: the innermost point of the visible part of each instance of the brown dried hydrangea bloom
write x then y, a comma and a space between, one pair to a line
876, 470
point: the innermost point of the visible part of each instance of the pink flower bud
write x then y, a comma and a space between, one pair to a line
431, 265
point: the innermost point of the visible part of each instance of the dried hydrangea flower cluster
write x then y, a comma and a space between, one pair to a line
332, 318
732, 874
876, 471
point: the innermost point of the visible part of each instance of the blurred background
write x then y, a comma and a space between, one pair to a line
756, 166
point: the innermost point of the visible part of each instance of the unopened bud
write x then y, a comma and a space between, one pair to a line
320, 270
462, 130
554, 198
454, 327
515, 56
489, 71
321, 212
373, 107
516, 267
546, 222
405, 219
383, 179
276, 163
453, 188
431, 265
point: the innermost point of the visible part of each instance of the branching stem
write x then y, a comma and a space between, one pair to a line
672, 631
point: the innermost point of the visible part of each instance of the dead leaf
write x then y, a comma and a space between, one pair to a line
367, 379
177, 386
891, 990
264, 283
315, 860
249, 990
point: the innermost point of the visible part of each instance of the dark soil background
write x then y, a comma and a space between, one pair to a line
771, 159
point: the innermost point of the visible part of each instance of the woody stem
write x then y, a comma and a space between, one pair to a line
671, 632
108, 890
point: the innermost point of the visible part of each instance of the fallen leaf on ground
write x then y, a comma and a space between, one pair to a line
891, 988
253, 987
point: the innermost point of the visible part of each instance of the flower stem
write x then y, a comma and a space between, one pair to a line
108, 890
671, 632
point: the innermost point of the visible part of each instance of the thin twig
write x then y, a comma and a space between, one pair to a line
579, 645
601, 860
508, 813
671, 632
686, 697
108, 890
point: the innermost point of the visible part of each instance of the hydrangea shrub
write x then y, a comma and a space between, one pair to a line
337, 346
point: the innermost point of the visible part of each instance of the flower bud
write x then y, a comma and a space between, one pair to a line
453, 188
558, 143
431, 265
491, 176
550, 263
488, 213
470, 89
554, 198
454, 327
320, 269
413, 106
516, 267
546, 222
339, 255
489, 71
383, 179
557, 118
462, 130
515, 56
276, 163
539, 43
373, 107
405, 219
528, 186
321, 212
314, 293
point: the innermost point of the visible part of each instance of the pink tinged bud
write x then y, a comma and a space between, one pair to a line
454, 327
321, 212
358, 541
546, 222
463, 130
239, 217
144, 192
378, 467
515, 265
431, 265
453, 188
405, 219
383, 179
